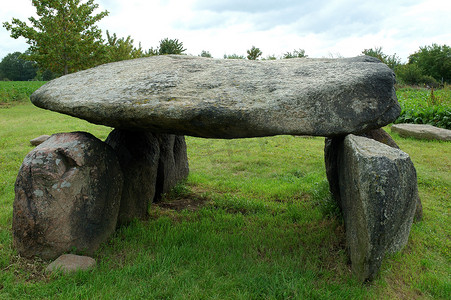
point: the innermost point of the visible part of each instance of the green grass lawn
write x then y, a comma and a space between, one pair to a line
253, 221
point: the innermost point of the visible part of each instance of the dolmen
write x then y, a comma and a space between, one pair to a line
73, 190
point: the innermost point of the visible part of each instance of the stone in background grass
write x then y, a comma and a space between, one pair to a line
422, 131
67, 196
377, 187
151, 163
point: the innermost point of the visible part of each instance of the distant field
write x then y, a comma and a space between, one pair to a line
253, 221
17, 91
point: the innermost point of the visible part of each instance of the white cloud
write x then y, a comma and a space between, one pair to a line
321, 27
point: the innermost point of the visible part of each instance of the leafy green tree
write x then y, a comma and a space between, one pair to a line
434, 60
253, 53
392, 61
300, 53
205, 54
118, 49
169, 46
14, 67
46, 75
64, 37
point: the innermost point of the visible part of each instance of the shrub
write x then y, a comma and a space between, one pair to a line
429, 81
253, 53
169, 46
295, 54
233, 56
205, 54
409, 74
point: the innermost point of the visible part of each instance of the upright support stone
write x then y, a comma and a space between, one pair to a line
138, 153
330, 156
152, 164
377, 187
173, 164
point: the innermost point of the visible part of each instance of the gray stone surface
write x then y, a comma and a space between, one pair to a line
152, 164
173, 164
68, 263
378, 192
67, 196
422, 131
222, 98
138, 153
331, 157
39, 140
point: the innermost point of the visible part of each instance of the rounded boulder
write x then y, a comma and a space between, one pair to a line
67, 196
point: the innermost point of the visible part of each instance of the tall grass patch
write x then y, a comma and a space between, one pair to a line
425, 106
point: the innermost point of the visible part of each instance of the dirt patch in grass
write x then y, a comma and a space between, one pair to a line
28, 270
191, 199
191, 204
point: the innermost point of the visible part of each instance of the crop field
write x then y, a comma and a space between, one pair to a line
254, 220
17, 91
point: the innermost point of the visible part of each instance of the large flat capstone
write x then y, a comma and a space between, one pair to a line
221, 98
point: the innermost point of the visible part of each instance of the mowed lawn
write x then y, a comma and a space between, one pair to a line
253, 221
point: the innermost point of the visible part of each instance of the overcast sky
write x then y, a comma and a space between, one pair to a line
323, 28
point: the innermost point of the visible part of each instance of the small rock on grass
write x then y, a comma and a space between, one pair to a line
67, 263
39, 140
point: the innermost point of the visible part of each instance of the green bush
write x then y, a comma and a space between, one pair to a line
409, 74
170, 46
430, 81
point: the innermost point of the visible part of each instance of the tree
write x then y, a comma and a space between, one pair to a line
169, 46
434, 60
205, 54
300, 53
64, 37
392, 61
14, 67
253, 53
118, 49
